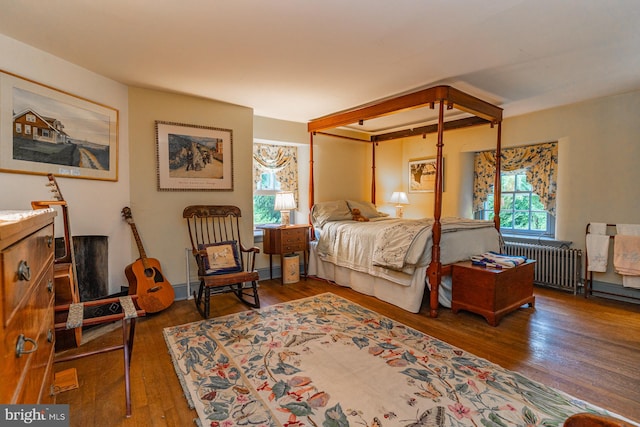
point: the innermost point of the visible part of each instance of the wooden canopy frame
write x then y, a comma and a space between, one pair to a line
446, 97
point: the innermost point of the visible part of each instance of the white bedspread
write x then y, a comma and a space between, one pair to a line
383, 247
396, 245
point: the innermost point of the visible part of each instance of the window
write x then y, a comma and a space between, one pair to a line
264, 197
528, 185
521, 210
275, 169
18, 127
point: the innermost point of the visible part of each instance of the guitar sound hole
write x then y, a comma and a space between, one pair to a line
155, 273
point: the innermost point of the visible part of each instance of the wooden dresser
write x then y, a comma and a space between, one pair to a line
26, 308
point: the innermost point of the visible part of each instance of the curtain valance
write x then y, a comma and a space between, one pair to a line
279, 159
540, 163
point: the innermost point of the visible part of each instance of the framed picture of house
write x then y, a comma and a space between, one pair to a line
44, 130
193, 157
422, 175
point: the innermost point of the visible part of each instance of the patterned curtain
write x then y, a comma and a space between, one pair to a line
280, 159
540, 163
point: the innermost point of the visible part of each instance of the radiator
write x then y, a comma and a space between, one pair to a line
555, 267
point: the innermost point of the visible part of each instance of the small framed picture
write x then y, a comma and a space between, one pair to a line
192, 157
422, 175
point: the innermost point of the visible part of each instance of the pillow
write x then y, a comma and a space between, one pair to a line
336, 210
222, 258
367, 209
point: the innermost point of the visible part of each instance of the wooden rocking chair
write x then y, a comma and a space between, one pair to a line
224, 264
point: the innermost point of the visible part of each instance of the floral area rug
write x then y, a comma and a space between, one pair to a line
325, 361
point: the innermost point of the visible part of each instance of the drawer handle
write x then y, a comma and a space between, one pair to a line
50, 335
49, 241
50, 286
24, 271
20, 345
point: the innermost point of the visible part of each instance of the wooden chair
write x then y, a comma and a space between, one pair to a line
593, 420
224, 264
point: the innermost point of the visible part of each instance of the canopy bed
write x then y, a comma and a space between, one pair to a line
448, 98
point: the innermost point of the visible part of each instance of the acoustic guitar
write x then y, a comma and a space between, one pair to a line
64, 273
145, 276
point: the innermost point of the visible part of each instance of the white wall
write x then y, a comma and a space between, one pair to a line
158, 214
94, 206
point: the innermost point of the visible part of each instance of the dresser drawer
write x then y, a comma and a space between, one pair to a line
26, 306
22, 265
33, 321
34, 388
46, 393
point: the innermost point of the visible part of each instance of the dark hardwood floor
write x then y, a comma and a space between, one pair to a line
589, 348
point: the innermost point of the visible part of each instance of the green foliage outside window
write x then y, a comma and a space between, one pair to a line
263, 212
520, 209
264, 198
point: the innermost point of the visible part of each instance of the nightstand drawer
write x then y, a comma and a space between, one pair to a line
294, 236
293, 247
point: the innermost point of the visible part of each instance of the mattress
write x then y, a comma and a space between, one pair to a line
345, 254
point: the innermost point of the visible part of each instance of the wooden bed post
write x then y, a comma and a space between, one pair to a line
497, 184
311, 189
484, 113
434, 271
373, 172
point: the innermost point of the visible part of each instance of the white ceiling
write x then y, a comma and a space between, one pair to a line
299, 60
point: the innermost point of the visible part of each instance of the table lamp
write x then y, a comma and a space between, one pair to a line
400, 199
285, 202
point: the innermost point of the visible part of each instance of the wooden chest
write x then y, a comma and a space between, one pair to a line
26, 309
489, 292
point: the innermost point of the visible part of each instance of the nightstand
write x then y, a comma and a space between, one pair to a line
285, 240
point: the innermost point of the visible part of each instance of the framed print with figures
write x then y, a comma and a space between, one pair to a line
193, 157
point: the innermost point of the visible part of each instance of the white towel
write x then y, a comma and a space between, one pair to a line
627, 255
631, 282
598, 228
597, 252
628, 229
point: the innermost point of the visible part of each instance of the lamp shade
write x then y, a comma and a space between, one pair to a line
285, 201
399, 198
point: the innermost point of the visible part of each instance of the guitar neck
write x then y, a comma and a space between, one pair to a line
143, 255
69, 250
69, 255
